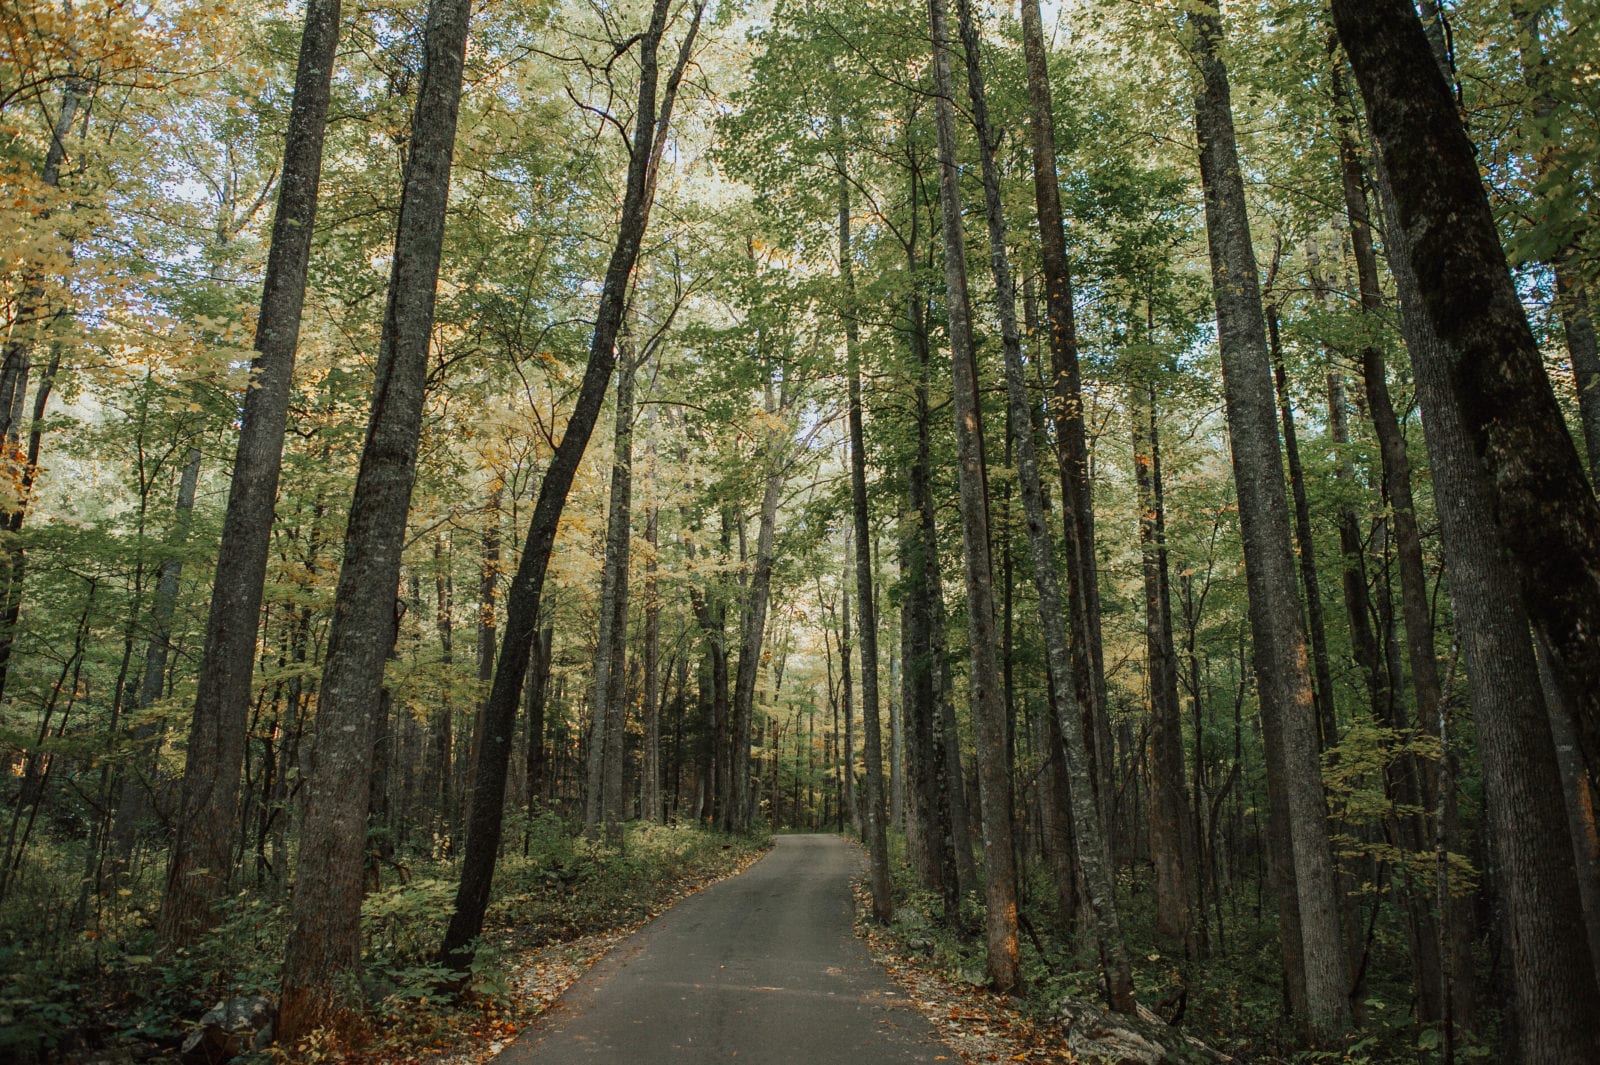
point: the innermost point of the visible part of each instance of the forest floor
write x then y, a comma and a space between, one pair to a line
976, 1023
558, 906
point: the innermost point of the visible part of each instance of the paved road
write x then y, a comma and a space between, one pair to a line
760, 969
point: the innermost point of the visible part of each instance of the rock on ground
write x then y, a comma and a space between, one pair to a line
230, 1028
1099, 1037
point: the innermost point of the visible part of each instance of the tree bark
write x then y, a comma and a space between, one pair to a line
1322, 694
1396, 462
961, 874
714, 693
927, 668
1172, 846
1579, 798
527, 587
1542, 502
1066, 412
603, 795
1412, 785
208, 803
535, 700
323, 961
1287, 715
754, 618
877, 836
989, 714
1353, 572
650, 786
1542, 909
1093, 854
847, 693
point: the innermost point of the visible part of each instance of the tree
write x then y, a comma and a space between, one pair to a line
757, 599
323, 961
603, 798
1066, 409
1093, 854
652, 121
1544, 505
1522, 780
208, 805
989, 717
1172, 839
1304, 861
867, 611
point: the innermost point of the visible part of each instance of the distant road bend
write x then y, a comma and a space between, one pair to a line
762, 969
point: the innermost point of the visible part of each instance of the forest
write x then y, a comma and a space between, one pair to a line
467, 470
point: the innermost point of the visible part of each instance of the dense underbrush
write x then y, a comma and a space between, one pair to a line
1232, 1000
103, 991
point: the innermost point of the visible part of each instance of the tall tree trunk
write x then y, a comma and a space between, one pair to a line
606, 700
877, 836
875, 829
650, 786
1392, 452
1353, 572
1171, 839
1580, 818
1322, 690
1543, 504
754, 618
208, 803
722, 701
1414, 789
1066, 411
959, 873
714, 694
924, 665
1057, 837
535, 700
989, 714
847, 691
1322, 694
952, 781
323, 961
1094, 856
1522, 777
897, 737
522, 600
489, 579
1307, 896
924, 834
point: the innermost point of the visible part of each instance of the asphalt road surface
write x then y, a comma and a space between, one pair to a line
759, 969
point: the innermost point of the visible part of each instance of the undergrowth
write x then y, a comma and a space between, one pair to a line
1233, 1000
63, 996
